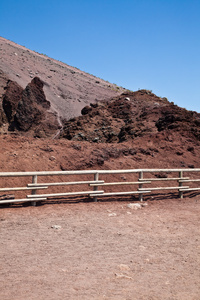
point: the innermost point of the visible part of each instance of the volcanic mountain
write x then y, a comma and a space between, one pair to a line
84, 122
66, 89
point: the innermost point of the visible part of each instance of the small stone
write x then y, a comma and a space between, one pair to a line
147, 259
124, 267
134, 206
142, 247
52, 158
56, 226
122, 276
96, 139
191, 166
112, 215
127, 98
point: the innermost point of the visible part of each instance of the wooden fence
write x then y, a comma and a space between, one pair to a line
140, 182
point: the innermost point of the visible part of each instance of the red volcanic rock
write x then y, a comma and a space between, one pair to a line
28, 110
33, 112
180, 120
3, 83
86, 110
11, 99
32, 106
129, 116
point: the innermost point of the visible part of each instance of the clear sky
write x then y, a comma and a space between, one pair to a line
150, 44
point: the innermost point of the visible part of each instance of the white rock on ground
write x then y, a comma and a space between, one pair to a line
56, 226
112, 215
134, 206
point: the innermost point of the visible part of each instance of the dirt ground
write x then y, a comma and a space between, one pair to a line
102, 250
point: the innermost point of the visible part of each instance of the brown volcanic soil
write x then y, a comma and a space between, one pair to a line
28, 154
166, 150
152, 253
101, 251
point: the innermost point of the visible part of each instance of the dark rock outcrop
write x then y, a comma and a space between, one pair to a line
32, 106
3, 84
11, 99
129, 116
28, 110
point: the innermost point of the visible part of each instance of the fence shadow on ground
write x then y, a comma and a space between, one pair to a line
86, 199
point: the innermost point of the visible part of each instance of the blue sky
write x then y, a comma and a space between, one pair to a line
151, 44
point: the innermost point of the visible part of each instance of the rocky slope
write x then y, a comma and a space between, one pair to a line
131, 116
67, 89
123, 130
135, 130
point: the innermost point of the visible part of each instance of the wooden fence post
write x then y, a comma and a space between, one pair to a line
34, 180
180, 194
140, 186
96, 178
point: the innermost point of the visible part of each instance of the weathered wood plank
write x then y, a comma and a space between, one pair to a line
163, 179
119, 193
83, 172
63, 183
189, 180
21, 200
119, 183
65, 194
164, 188
22, 188
190, 189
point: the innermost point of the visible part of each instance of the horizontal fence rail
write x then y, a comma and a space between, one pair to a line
141, 182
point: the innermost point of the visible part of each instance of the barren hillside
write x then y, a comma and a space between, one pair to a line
68, 89
132, 116
123, 130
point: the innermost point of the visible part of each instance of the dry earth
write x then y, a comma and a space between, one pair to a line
101, 251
